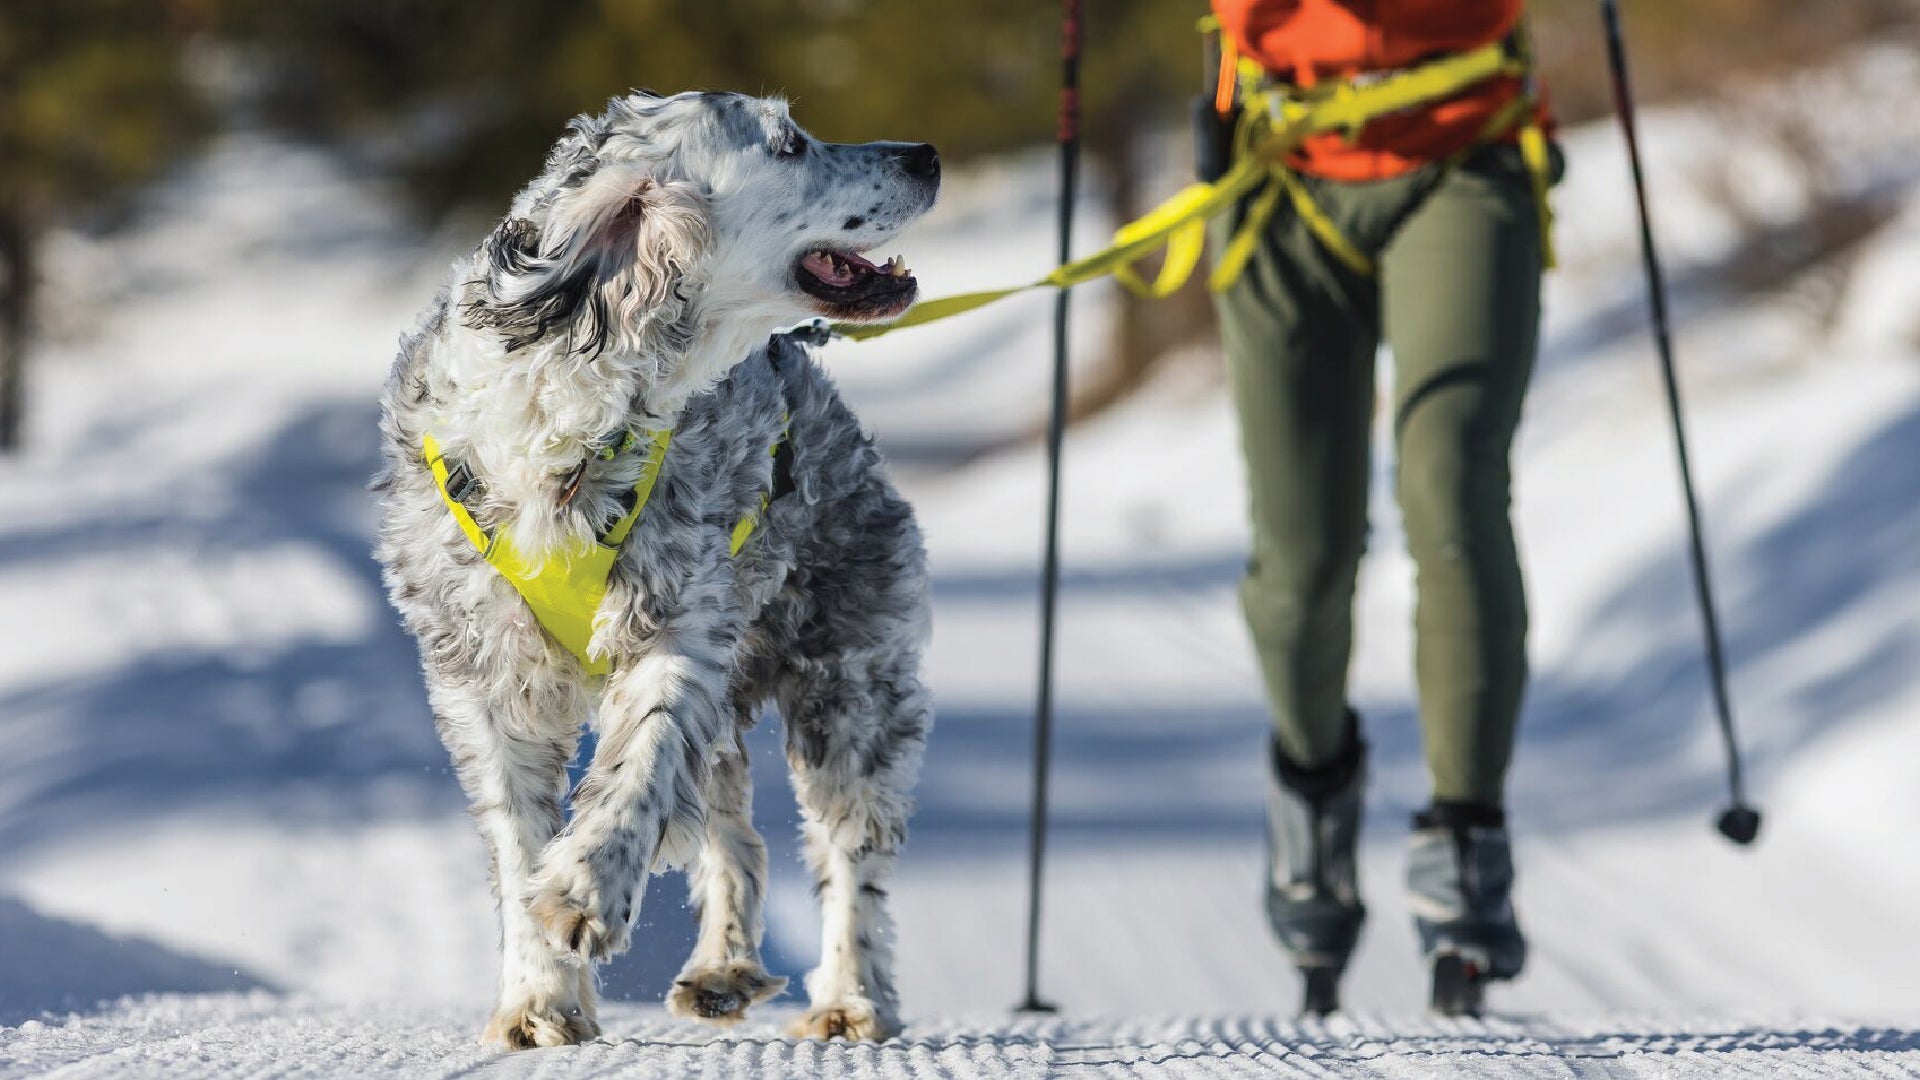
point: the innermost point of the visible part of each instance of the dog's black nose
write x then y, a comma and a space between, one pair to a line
920, 161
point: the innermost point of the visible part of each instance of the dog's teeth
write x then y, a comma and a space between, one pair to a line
896, 267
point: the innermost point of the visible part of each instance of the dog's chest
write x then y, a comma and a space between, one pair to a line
719, 476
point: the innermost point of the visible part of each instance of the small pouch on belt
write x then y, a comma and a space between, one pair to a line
1216, 115
1212, 139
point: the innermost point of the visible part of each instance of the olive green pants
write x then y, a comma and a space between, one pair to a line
1457, 299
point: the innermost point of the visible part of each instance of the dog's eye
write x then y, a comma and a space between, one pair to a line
791, 145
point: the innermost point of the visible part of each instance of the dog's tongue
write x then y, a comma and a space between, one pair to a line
836, 268
827, 268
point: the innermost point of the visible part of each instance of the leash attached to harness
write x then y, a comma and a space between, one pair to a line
1263, 138
564, 588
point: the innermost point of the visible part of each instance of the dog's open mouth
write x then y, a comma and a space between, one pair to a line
850, 286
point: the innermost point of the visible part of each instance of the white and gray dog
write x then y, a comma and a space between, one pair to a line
633, 289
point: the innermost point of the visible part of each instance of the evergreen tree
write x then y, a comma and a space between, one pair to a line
94, 100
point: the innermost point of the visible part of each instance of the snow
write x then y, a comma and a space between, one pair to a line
261, 1034
229, 841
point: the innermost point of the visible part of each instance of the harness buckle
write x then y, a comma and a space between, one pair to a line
614, 443
462, 483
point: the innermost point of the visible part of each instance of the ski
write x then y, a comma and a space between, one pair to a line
1320, 991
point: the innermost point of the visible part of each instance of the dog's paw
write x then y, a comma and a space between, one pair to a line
527, 1025
577, 917
854, 1020
720, 995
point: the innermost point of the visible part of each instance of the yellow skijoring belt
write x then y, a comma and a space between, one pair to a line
565, 588
1273, 123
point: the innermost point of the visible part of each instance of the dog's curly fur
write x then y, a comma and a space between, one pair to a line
636, 285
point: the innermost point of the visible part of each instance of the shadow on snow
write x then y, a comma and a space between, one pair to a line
54, 965
182, 731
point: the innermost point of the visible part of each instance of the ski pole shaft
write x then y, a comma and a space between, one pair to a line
1068, 135
1740, 822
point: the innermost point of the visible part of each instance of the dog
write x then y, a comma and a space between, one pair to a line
636, 287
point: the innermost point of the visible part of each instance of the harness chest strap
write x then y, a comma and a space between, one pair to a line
782, 455
564, 589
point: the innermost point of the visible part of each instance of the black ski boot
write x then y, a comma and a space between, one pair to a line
1313, 896
1460, 875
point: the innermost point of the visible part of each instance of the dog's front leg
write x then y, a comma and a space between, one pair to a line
660, 719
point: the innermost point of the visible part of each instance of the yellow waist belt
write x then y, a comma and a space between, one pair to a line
1273, 124
564, 588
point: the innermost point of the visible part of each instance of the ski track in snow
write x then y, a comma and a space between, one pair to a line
257, 1035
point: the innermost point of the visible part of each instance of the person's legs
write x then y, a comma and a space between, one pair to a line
1300, 333
1461, 306
1461, 301
1299, 340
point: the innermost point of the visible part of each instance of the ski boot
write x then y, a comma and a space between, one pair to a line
1460, 877
1313, 897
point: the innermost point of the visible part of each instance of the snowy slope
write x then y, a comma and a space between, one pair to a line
223, 778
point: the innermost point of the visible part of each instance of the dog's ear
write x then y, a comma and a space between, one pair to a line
502, 296
604, 268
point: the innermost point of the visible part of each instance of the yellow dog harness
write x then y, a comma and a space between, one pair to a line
565, 588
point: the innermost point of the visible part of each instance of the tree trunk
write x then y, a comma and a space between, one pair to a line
1144, 330
16, 301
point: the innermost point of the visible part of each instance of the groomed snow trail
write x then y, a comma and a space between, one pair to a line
260, 1034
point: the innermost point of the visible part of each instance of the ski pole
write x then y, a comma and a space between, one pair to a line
1740, 822
1068, 135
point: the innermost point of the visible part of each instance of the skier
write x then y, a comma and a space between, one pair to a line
1425, 227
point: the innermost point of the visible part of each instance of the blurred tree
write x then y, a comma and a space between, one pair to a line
462, 97
465, 94
94, 100
1699, 49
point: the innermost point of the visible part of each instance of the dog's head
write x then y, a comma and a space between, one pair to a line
663, 212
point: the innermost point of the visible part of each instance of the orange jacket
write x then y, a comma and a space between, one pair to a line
1308, 41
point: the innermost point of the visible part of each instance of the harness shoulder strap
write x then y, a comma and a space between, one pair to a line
438, 463
782, 457
642, 488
